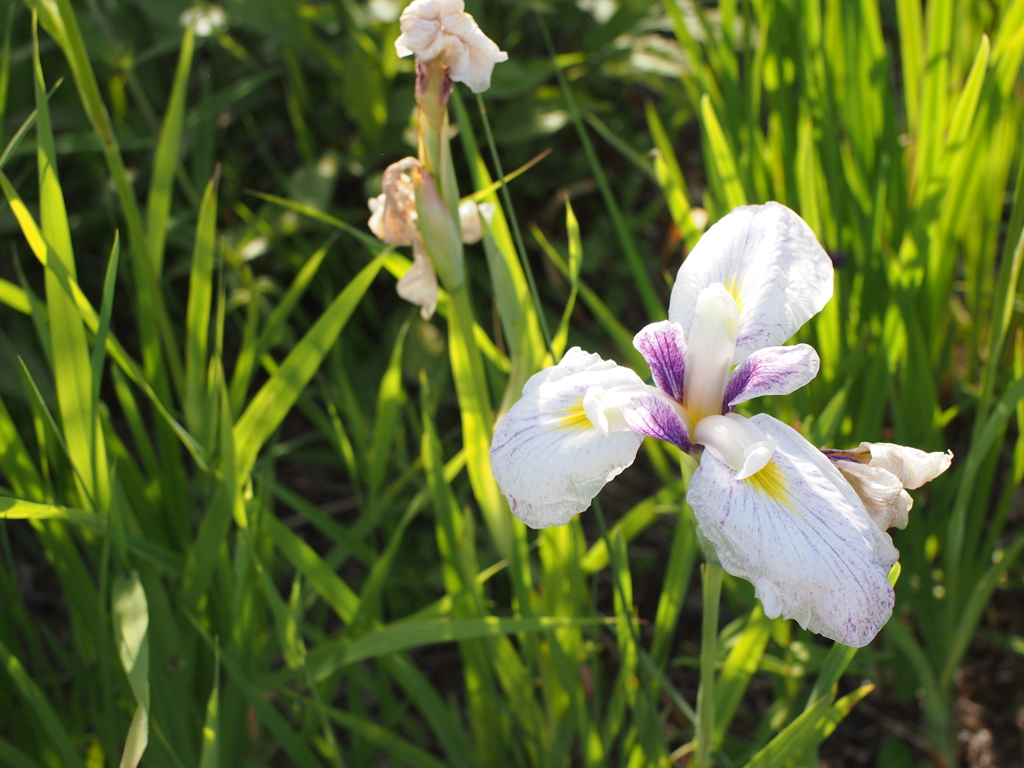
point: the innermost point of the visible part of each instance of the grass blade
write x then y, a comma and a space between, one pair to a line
131, 629
165, 162
197, 314
59, 738
652, 302
275, 398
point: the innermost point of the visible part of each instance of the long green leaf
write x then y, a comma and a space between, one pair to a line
42, 710
405, 635
723, 162
71, 358
131, 629
16, 509
43, 252
271, 404
165, 161
209, 755
738, 669
198, 311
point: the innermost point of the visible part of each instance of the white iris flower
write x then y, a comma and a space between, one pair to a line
777, 510
442, 30
394, 220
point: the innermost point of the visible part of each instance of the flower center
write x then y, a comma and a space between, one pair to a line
710, 350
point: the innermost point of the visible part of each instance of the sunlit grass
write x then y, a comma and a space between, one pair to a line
280, 471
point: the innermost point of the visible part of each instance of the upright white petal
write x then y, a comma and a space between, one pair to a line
421, 30
711, 346
549, 459
800, 534
770, 261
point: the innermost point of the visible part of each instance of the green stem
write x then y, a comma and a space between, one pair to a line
434, 146
520, 246
654, 305
712, 582
477, 419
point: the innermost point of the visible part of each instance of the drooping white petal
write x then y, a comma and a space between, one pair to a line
913, 467
663, 346
770, 261
385, 222
548, 457
771, 371
469, 222
479, 55
879, 472
393, 211
419, 285
886, 502
800, 534
710, 348
441, 29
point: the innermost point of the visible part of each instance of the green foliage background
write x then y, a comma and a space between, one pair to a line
247, 520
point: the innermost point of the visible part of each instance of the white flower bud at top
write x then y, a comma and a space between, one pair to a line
442, 30
206, 20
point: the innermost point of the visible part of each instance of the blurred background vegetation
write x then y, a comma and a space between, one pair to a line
218, 421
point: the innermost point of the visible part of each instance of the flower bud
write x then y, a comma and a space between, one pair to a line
439, 231
441, 31
469, 222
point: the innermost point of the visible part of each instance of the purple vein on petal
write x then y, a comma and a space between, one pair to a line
663, 346
654, 415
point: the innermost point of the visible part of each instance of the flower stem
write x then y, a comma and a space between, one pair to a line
712, 582
516, 233
432, 88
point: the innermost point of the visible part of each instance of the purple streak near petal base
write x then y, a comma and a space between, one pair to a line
771, 371
655, 416
664, 348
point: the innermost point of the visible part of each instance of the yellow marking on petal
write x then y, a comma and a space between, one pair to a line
733, 285
770, 483
573, 418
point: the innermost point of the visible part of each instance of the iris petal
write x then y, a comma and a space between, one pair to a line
769, 260
771, 371
663, 346
800, 534
656, 415
548, 458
